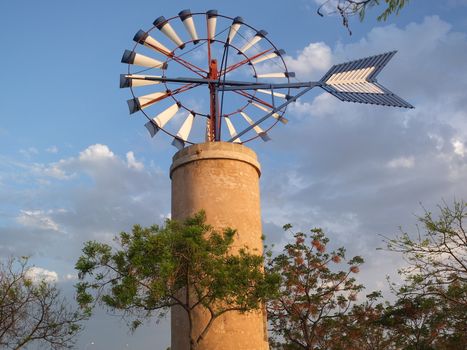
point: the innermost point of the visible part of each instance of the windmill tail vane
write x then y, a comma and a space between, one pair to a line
355, 81
233, 104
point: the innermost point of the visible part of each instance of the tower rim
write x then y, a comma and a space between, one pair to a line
215, 150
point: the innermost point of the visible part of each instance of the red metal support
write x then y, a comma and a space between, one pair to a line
213, 123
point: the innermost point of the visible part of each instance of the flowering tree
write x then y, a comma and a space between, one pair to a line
362, 327
313, 292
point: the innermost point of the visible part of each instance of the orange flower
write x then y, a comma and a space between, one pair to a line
299, 260
354, 269
336, 259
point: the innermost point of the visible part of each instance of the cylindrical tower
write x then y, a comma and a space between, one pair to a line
222, 179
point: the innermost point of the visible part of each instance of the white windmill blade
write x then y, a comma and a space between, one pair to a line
232, 130
267, 110
355, 81
132, 57
212, 22
259, 35
187, 19
145, 39
236, 24
274, 93
135, 80
142, 102
164, 26
264, 136
163, 118
276, 75
184, 132
268, 56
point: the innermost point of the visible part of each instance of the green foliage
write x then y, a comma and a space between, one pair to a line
185, 264
391, 7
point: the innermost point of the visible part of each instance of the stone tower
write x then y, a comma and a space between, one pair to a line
223, 179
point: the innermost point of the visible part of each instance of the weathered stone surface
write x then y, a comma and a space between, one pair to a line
223, 179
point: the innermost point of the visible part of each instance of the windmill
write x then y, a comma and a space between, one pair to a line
224, 84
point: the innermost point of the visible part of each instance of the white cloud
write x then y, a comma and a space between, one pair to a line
96, 152
401, 162
310, 62
29, 152
459, 147
38, 274
53, 170
132, 162
70, 277
52, 149
37, 219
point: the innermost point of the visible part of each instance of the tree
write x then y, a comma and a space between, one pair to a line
33, 312
348, 8
436, 257
410, 323
415, 322
313, 295
432, 302
362, 327
182, 264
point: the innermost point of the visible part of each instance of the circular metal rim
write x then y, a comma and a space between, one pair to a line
282, 112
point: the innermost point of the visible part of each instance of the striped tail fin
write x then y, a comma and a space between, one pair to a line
355, 81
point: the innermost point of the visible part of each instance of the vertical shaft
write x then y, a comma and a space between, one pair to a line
213, 126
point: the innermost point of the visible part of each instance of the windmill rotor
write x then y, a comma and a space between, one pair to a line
208, 77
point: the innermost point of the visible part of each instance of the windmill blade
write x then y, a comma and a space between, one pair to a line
135, 80
274, 93
259, 35
264, 136
268, 56
275, 115
232, 130
142, 102
211, 16
276, 75
236, 24
132, 57
164, 26
163, 118
355, 81
187, 19
184, 132
145, 39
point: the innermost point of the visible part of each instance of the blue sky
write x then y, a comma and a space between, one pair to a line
75, 166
